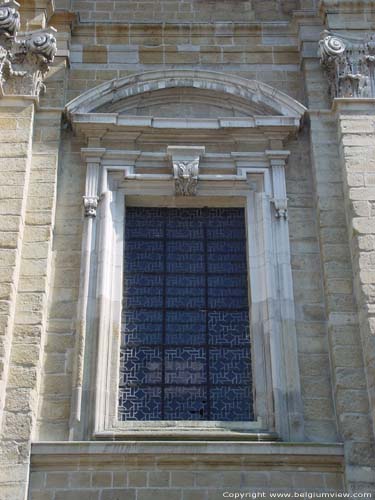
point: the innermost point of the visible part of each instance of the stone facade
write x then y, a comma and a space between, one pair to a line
267, 105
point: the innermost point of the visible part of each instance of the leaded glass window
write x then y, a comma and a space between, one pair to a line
185, 344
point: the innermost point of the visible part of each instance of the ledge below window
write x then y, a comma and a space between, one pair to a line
187, 430
312, 456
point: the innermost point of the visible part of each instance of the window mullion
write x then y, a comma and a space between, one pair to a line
164, 327
207, 339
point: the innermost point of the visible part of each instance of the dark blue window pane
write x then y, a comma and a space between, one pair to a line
185, 365
137, 403
186, 403
229, 366
228, 401
140, 365
228, 328
185, 347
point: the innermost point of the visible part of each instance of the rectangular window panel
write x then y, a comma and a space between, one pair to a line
185, 343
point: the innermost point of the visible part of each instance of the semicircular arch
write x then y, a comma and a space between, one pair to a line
257, 94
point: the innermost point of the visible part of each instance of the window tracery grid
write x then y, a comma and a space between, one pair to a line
185, 343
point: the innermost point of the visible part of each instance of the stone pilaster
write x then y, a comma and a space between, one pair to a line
356, 134
16, 119
344, 339
25, 229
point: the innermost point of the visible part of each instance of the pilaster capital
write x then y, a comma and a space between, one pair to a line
92, 155
277, 158
25, 58
349, 64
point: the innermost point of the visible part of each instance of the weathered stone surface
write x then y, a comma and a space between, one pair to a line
331, 205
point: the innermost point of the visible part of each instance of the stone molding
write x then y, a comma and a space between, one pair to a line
319, 456
25, 58
257, 182
185, 161
250, 90
349, 65
278, 398
345, 5
277, 161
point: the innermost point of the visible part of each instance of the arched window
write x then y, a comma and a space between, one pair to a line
186, 185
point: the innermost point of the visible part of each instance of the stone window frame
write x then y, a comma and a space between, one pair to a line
260, 181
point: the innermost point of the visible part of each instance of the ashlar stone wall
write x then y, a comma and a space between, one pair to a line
330, 204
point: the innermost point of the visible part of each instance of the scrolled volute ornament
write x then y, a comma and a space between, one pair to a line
349, 65
25, 58
9, 19
330, 47
42, 43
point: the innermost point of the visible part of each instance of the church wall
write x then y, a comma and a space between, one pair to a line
330, 236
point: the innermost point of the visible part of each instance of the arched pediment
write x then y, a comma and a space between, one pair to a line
169, 93
186, 102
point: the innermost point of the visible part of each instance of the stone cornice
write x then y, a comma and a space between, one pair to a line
332, 6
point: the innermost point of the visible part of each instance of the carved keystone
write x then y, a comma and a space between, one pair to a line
185, 161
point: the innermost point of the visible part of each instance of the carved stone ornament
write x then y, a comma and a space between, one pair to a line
9, 19
281, 208
185, 160
24, 58
349, 64
90, 204
186, 177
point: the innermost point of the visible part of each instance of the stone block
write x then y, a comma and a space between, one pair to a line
159, 494
279, 480
334, 481
119, 479
345, 356
255, 479
209, 479
137, 478
232, 479
309, 481
118, 494
355, 427
158, 479
182, 478
101, 479
17, 426
196, 494
76, 494
22, 377
41, 495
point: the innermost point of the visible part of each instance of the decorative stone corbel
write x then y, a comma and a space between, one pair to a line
185, 161
92, 157
24, 58
278, 161
349, 65
90, 204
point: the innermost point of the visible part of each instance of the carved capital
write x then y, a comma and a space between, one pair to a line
9, 19
185, 161
90, 204
349, 65
278, 160
281, 208
24, 58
